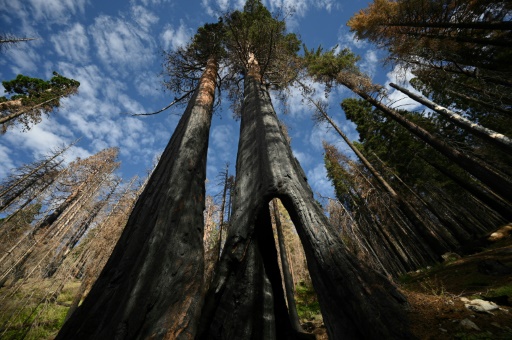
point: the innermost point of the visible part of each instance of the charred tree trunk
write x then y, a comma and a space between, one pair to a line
152, 285
356, 302
287, 276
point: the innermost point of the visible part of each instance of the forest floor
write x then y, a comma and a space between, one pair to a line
434, 294
436, 310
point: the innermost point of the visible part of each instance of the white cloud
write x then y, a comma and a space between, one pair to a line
321, 132
317, 178
173, 38
151, 2
7, 164
24, 59
148, 84
395, 98
216, 8
299, 107
303, 158
369, 63
47, 131
120, 45
144, 17
72, 43
222, 139
56, 10
295, 7
349, 40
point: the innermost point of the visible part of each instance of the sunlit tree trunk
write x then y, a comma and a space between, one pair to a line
477, 168
492, 136
152, 285
287, 275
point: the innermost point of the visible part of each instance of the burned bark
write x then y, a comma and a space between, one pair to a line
152, 285
356, 302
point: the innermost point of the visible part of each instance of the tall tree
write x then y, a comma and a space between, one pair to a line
457, 50
246, 299
402, 153
340, 69
468, 33
152, 284
498, 139
30, 97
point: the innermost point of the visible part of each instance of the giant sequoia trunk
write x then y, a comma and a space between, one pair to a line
355, 301
152, 285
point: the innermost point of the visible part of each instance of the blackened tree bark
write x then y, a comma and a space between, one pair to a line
152, 285
356, 302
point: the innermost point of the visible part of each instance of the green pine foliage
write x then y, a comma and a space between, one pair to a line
27, 98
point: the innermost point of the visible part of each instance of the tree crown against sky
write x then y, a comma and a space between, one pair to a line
28, 97
184, 66
113, 49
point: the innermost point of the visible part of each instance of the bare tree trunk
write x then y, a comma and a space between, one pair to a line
287, 276
8, 117
222, 208
489, 135
492, 179
487, 197
152, 285
356, 302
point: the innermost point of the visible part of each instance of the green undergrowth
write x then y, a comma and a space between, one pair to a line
33, 312
308, 307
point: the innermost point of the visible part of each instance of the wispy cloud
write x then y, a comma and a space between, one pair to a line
144, 17
7, 164
369, 63
317, 178
59, 11
72, 43
148, 84
216, 8
24, 59
222, 139
174, 38
120, 45
46, 131
396, 98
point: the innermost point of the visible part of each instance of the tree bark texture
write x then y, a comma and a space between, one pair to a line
356, 302
489, 135
152, 285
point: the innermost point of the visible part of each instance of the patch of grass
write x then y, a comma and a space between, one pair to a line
500, 291
308, 307
433, 285
36, 315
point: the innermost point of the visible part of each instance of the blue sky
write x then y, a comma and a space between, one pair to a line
114, 49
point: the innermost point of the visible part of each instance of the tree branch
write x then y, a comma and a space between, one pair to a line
176, 100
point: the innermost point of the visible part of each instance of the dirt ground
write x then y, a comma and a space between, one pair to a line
436, 309
434, 294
